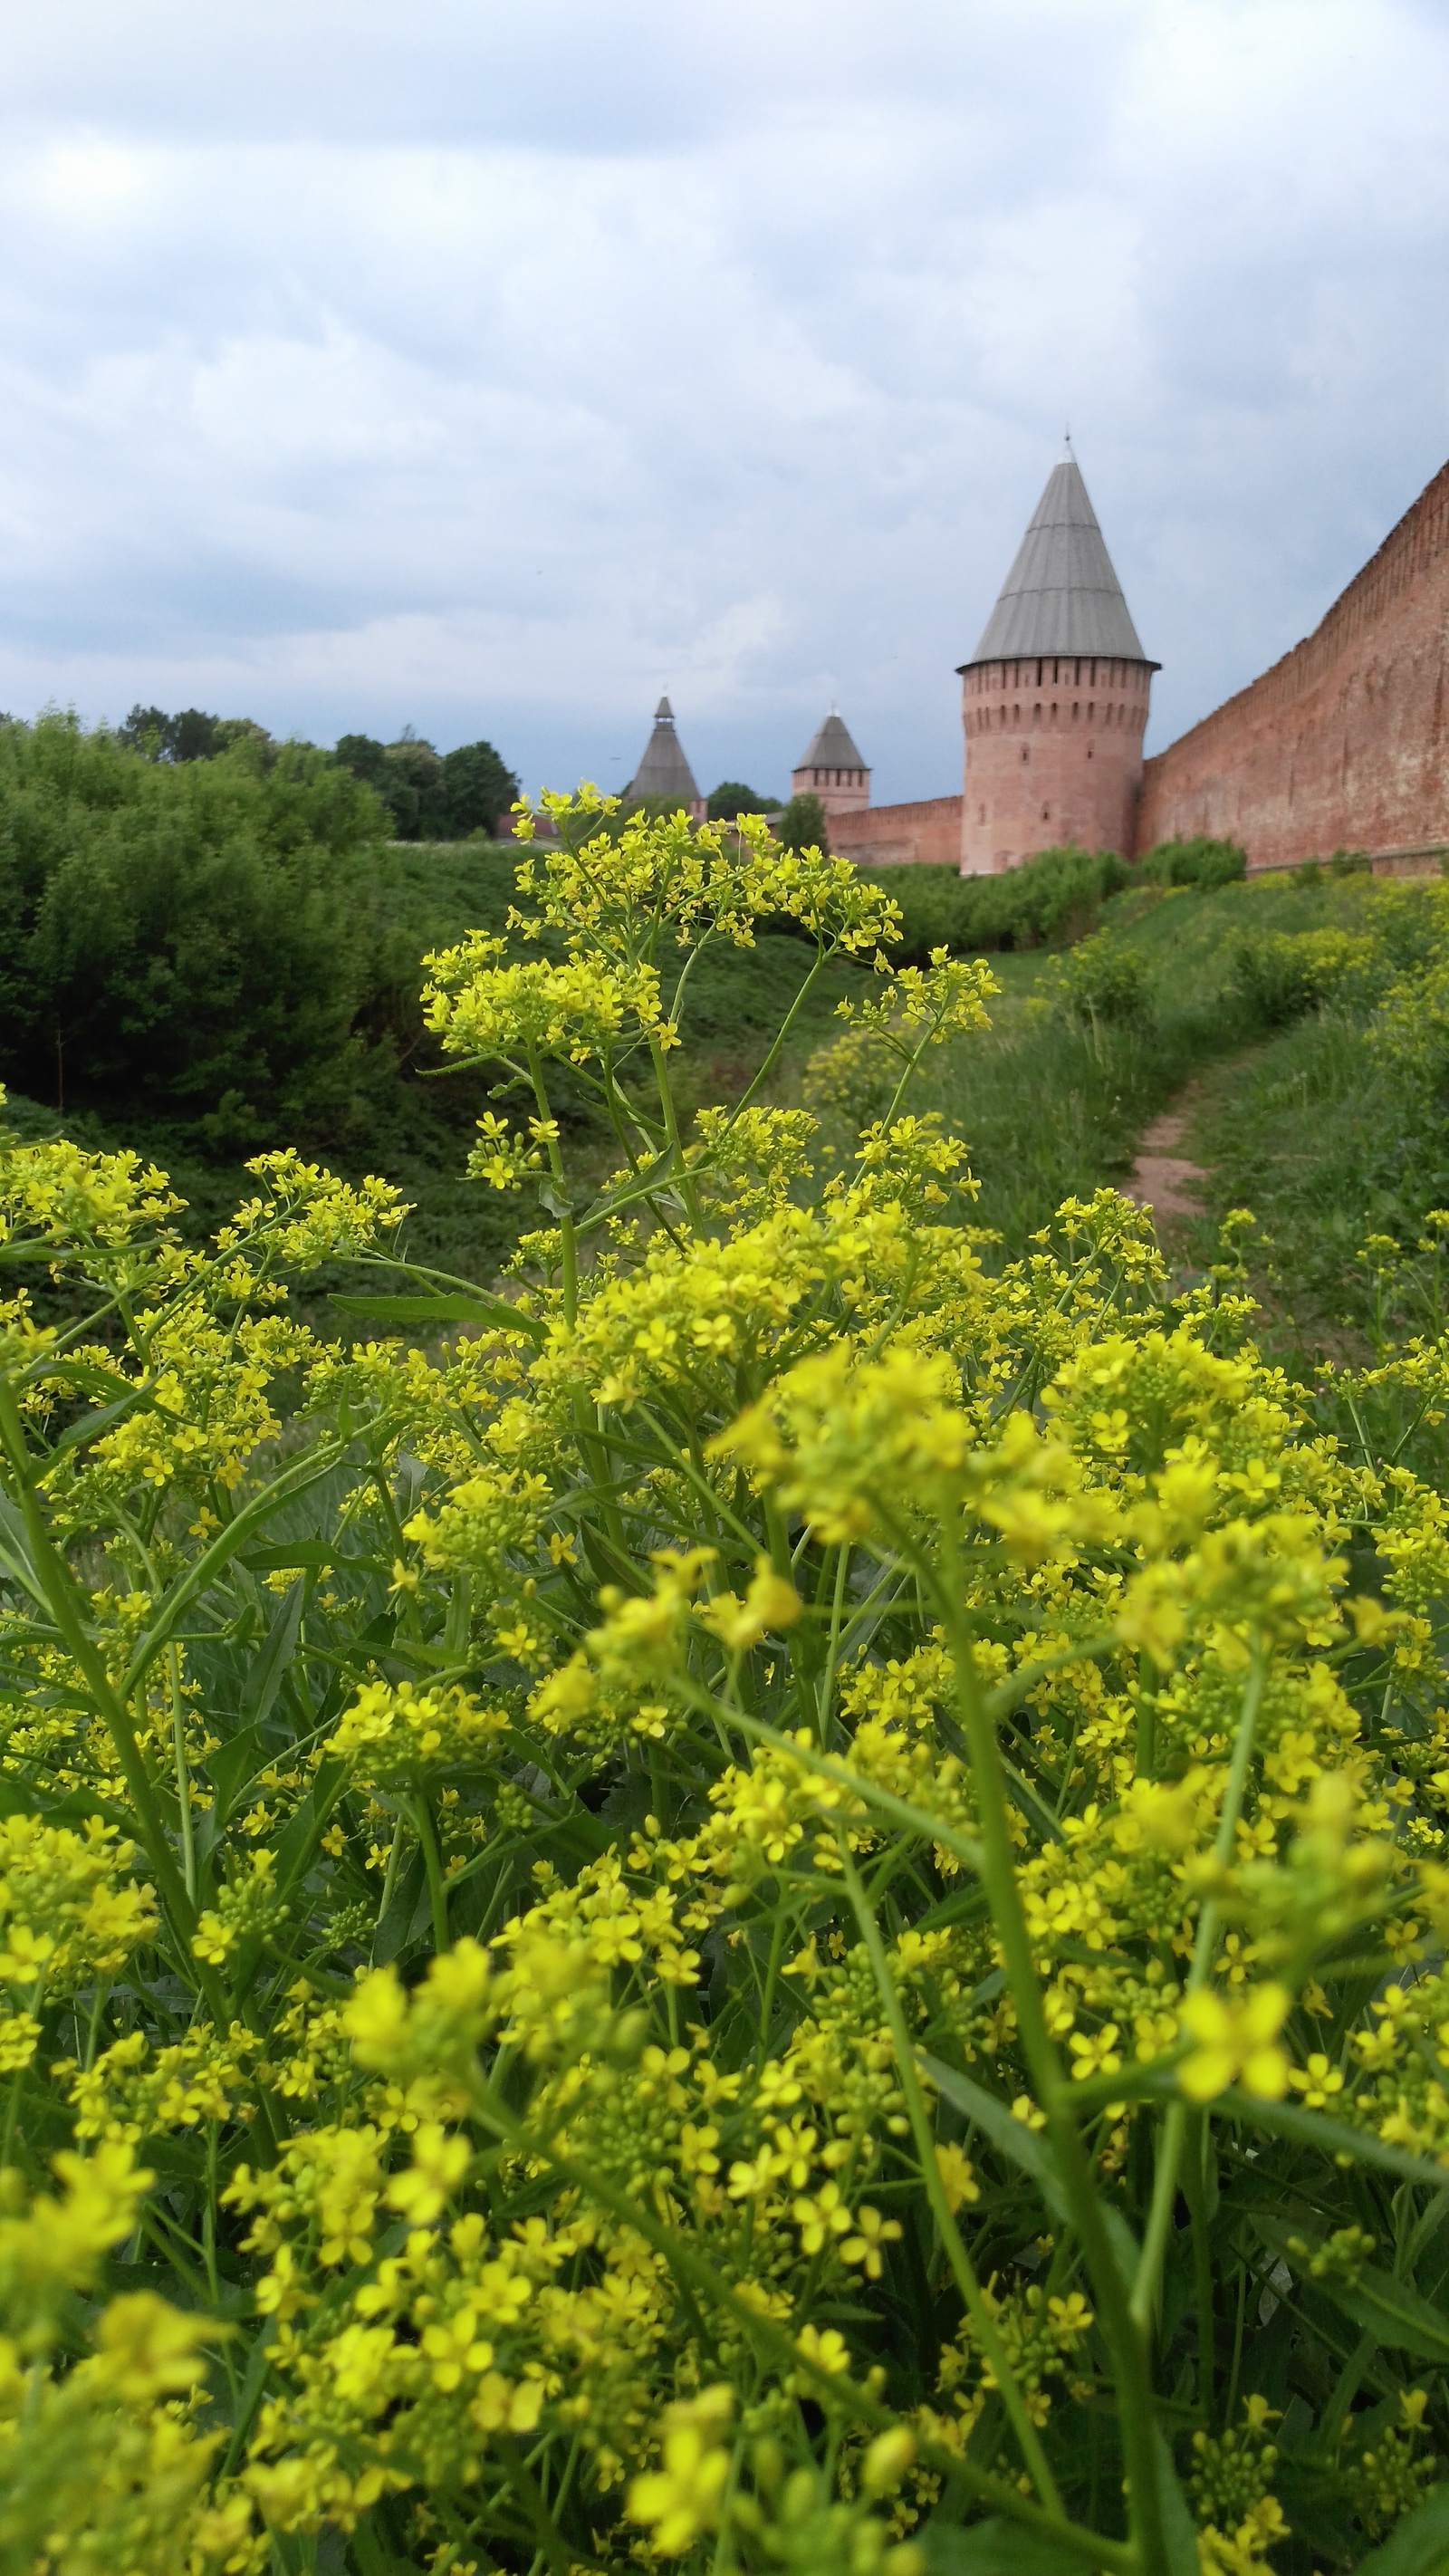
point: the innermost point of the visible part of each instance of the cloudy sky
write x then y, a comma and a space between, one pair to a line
491, 367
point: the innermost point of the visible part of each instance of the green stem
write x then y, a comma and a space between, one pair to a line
61, 1594
834, 2394
568, 1244
183, 1772
687, 1189
963, 2271
772, 1972
832, 1652
822, 959
433, 1864
1147, 2286
1195, 2184
1125, 2343
560, 2554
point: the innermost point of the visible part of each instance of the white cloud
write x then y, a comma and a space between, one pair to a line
492, 369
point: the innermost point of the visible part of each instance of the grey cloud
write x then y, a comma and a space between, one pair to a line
497, 374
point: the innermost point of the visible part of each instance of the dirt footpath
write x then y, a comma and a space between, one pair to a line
1160, 1178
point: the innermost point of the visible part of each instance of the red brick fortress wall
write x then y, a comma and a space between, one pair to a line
1344, 744
928, 833
1053, 757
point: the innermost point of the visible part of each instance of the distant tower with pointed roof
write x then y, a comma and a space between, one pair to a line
831, 768
664, 771
1054, 698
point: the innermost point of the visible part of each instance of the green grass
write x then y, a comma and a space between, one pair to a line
1301, 1125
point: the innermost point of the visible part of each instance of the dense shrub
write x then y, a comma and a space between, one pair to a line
195, 939
1200, 862
1402, 941
1054, 896
1282, 974
782, 1911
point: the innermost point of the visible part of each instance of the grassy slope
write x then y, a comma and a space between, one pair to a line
1049, 1111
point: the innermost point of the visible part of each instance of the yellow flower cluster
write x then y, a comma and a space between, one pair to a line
780, 1904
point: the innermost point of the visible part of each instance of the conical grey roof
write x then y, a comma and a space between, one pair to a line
664, 771
830, 747
1061, 594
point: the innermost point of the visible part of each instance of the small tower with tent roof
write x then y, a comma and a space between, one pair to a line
664, 771
831, 768
1054, 698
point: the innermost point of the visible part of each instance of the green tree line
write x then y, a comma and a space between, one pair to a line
429, 795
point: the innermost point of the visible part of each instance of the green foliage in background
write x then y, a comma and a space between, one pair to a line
1336, 1133
198, 938
802, 824
189, 735
732, 797
432, 796
1200, 862
1051, 898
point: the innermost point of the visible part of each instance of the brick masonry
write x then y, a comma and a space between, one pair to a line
1053, 757
1344, 744
883, 836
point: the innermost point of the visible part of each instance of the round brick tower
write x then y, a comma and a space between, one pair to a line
1054, 698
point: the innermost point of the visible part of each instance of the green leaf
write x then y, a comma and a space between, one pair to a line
231, 1768
71, 1807
441, 1308
633, 1187
1393, 2313
1179, 2531
999, 2547
15, 1557
1419, 2547
93, 1426
1022, 2146
1331, 2137
269, 1664
228, 1542
313, 1553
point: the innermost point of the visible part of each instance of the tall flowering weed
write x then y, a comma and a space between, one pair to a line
773, 1901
